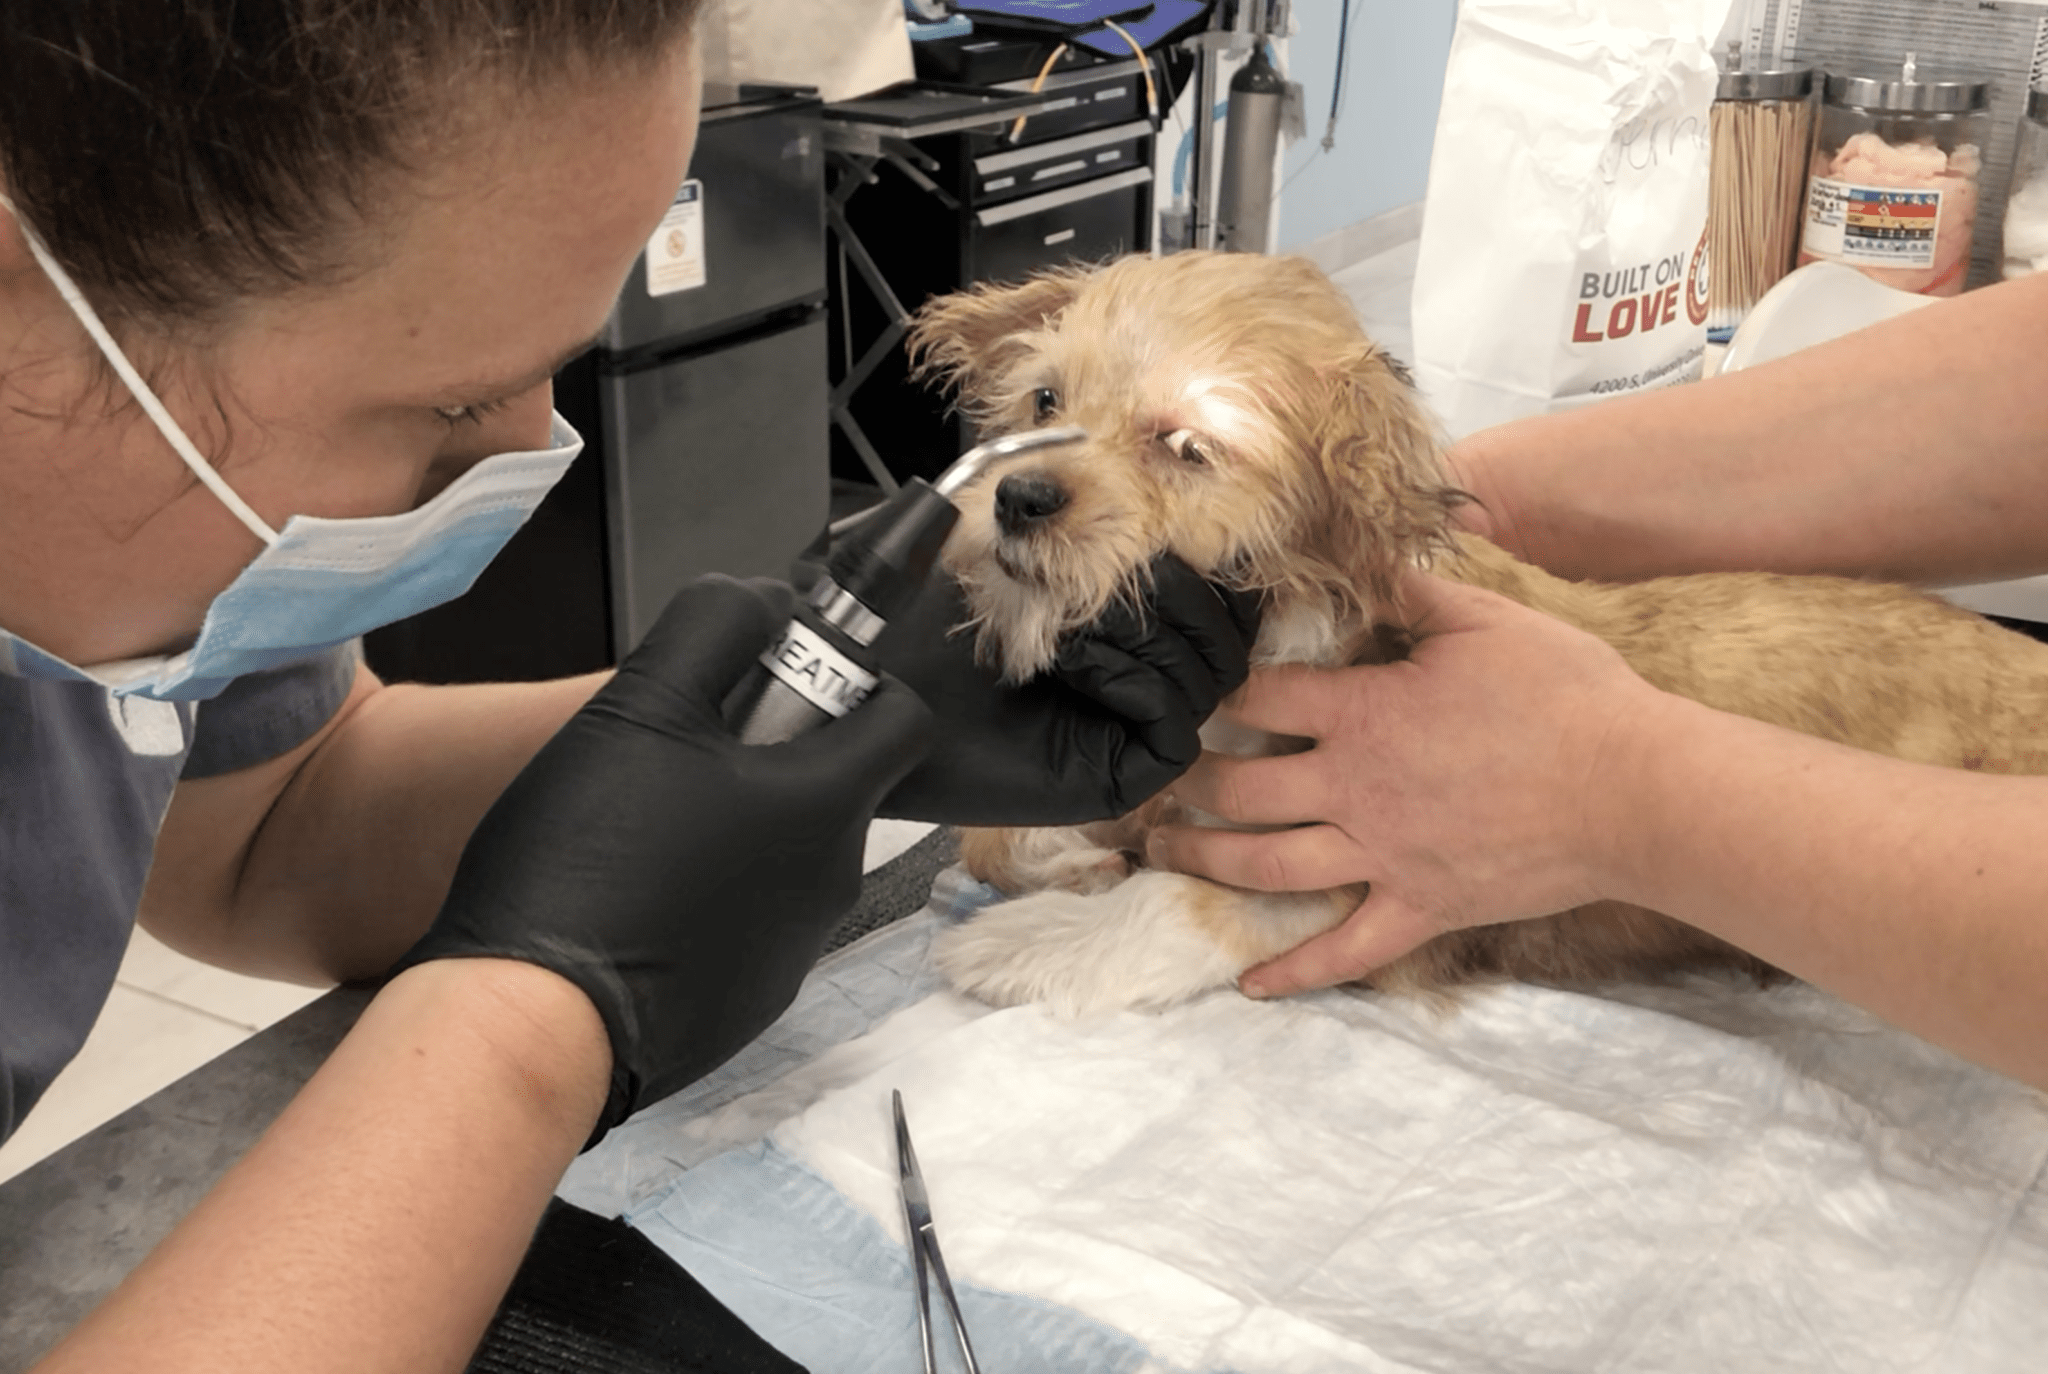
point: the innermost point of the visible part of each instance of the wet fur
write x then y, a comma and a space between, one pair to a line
1322, 481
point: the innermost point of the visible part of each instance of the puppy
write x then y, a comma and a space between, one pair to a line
1238, 417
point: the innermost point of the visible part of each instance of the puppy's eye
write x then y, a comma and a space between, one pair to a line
1183, 444
1045, 403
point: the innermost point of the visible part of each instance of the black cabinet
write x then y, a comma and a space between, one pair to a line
988, 204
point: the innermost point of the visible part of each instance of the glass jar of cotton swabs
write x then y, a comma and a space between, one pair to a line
1762, 138
2026, 209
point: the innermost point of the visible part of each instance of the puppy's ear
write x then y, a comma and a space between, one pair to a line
1389, 506
967, 339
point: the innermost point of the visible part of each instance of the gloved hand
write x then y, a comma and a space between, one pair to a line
685, 881
1113, 722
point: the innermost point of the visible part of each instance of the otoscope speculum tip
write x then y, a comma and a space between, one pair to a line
969, 465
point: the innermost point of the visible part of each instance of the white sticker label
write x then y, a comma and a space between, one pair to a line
675, 254
817, 672
1871, 226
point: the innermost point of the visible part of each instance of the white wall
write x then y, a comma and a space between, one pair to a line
1393, 83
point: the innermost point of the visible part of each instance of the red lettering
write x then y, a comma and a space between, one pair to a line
1671, 303
1580, 332
1649, 310
1621, 321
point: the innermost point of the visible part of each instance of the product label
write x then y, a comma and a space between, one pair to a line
809, 666
675, 253
1871, 226
1665, 297
1643, 298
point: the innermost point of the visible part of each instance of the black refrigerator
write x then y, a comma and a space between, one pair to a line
704, 408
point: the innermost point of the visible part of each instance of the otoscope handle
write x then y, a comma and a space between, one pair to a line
820, 667
813, 672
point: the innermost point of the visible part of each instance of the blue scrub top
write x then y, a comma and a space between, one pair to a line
85, 779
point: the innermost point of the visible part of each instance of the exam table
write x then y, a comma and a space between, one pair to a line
1706, 1175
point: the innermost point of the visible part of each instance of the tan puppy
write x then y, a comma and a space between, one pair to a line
1238, 417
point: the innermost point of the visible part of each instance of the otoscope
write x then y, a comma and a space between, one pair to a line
819, 667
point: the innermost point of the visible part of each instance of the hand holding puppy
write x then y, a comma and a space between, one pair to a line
1114, 719
1470, 784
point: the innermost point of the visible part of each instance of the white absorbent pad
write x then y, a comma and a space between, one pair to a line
1704, 1177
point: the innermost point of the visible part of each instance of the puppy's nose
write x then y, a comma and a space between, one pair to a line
1025, 498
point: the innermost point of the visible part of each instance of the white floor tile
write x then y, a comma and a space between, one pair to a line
166, 1016
252, 1003
140, 1043
887, 839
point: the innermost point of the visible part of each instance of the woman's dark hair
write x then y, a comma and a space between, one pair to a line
180, 155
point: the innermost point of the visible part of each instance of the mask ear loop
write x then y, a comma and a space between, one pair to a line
151, 406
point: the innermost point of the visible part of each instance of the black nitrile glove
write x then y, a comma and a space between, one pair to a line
683, 880
1115, 720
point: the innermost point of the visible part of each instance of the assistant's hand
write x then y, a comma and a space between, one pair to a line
682, 880
1115, 721
1468, 784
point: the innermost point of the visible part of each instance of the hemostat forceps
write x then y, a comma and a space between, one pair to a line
924, 1247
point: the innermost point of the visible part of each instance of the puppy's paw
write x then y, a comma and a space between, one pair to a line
1064, 857
1090, 872
1136, 946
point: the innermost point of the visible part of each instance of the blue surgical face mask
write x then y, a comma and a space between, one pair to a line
318, 583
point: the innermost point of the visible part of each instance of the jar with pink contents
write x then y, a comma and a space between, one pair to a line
1894, 188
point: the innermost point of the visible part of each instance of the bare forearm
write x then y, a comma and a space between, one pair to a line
328, 863
1918, 892
356, 856
1914, 450
377, 1224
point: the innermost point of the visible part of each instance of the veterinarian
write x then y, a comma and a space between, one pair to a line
1516, 767
345, 246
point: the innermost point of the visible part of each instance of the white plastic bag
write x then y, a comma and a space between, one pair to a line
1563, 254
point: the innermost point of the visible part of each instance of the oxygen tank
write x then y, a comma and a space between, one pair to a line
1251, 142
